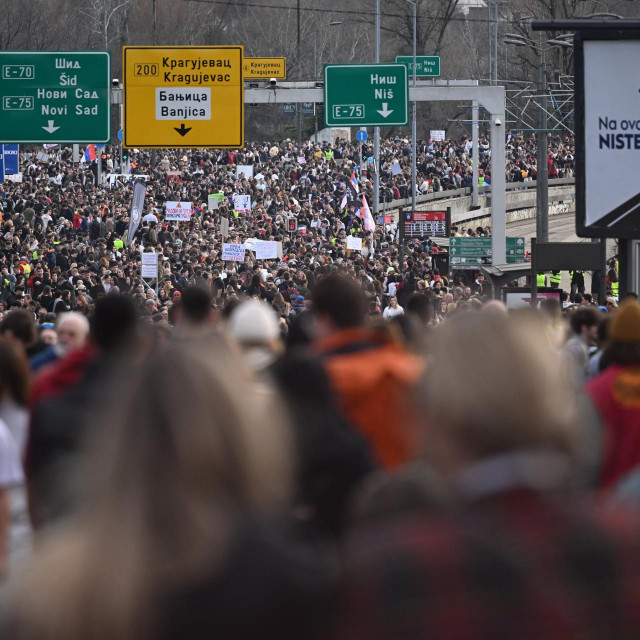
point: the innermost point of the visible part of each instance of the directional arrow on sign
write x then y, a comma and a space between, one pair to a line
385, 112
50, 128
183, 130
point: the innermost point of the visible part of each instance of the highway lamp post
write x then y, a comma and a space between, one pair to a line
376, 131
414, 146
542, 138
333, 23
298, 76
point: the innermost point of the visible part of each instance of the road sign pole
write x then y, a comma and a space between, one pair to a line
414, 146
376, 131
542, 177
475, 195
629, 264
498, 180
121, 106
533, 275
401, 235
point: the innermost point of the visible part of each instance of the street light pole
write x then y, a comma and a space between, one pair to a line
414, 145
542, 177
298, 110
376, 131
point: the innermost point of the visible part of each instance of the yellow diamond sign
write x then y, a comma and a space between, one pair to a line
183, 97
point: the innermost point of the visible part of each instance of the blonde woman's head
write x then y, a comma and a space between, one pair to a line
181, 453
493, 386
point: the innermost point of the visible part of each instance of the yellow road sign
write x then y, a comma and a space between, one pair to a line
264, 68
183, 97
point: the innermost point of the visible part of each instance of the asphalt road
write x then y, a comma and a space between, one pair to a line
562, 228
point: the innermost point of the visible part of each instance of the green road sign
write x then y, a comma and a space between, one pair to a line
55, 96
366, 95
426, 66
477, 251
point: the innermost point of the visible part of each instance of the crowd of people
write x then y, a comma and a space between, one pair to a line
62, 236
333, 443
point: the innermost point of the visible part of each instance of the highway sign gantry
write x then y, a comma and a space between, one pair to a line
55, 97
366, 95
179, 97
426, 66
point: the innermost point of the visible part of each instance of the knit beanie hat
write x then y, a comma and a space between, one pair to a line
625, 326
253, 323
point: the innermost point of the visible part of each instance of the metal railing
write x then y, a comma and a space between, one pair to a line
466, 191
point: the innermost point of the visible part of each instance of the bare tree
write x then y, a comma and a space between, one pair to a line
105, 16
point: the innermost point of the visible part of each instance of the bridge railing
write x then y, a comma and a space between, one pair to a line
467, 191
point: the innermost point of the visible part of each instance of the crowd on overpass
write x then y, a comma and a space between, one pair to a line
336, 442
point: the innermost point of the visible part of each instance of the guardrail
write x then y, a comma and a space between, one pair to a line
467, 191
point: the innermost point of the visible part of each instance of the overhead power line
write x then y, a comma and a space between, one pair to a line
256, 5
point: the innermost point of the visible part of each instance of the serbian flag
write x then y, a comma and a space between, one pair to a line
354, 182
365, 214
89, 153
343, 204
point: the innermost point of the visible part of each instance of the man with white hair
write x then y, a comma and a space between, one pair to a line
72, 329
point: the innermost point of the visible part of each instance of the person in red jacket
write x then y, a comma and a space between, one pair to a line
373, 377
615, 394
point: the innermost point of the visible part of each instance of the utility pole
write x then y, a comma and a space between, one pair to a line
414, 146
475, 199
298, 62
154, 155
542, 177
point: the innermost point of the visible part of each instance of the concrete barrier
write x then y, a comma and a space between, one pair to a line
521, 202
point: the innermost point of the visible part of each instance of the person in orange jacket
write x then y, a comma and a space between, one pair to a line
373, 377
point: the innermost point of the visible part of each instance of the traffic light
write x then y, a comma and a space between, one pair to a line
293, 225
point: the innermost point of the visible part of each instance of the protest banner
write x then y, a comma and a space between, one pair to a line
242, 203
247, 169
354, 243
150, 265
180, 211
233, 252
266, 250
224, 227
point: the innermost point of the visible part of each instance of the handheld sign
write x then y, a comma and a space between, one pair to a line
233, 252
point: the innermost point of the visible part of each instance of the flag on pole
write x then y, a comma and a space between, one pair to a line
365, 214
354, 182
343, 204
137, 205
89, 153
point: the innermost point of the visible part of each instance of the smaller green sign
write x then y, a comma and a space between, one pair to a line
465, 251
426, 66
